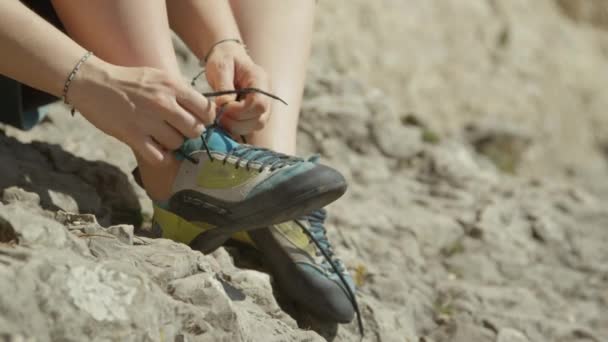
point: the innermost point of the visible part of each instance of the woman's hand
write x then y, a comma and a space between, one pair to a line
230, 67
145, 108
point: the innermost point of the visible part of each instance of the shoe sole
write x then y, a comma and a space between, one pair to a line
212, 239
271, 207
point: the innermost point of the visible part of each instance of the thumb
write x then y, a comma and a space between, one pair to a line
220, 75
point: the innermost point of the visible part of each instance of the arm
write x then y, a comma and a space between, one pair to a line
27, 41
213, 20
129, 103
202, 23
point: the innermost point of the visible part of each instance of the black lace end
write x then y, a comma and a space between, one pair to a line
193, 82
244, 92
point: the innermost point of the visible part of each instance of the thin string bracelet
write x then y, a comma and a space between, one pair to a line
203, 62
71, 77
234, 40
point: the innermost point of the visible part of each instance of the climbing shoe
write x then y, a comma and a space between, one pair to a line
236, 187
305, 267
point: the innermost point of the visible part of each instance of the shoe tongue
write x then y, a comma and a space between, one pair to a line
217, 139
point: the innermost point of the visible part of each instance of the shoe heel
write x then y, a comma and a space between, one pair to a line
207, 242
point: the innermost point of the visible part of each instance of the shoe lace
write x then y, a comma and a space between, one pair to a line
265, 157
318, 235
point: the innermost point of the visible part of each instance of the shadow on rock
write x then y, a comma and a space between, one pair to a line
66, 182
306, 321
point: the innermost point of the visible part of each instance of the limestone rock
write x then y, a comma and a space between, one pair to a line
511, 335
93, 284
443, 244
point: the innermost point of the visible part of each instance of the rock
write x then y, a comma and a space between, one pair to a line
75, 221
398, 141
124, 233
443, 244
505, 147
35, 230
594, 12
74, 290
510, 335
65, 202
15, 194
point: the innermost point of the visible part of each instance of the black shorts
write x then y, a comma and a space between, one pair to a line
19, 103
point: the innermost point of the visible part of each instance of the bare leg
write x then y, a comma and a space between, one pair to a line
128, 33
277, 34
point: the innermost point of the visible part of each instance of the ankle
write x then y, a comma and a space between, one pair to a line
277, 144
158, 181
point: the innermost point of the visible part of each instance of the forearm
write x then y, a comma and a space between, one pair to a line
33, 51
212, 19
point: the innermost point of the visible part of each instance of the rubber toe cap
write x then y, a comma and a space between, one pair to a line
329, 299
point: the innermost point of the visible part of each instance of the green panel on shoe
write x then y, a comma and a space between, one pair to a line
217, 175
176, 228
294, 234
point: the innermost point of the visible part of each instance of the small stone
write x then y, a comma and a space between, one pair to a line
63, 201
511, 335
123, 232
398, 141
90, 229
15, 194
71, 219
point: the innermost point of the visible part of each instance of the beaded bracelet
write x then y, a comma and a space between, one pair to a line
71, 77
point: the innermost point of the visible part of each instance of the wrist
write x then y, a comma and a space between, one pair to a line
223, 47
93, 73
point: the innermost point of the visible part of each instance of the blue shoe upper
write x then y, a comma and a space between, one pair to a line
216, 138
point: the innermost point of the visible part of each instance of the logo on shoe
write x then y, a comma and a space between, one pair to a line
223, 176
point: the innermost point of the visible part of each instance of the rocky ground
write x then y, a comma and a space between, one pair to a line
473, 134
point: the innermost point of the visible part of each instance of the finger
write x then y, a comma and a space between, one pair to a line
235, 110
184, 122
195, 103
251, 108
169, 138
151, 151
242, 127
255, 104
220, 75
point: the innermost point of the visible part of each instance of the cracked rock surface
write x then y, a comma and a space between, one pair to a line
474, 142
69, 279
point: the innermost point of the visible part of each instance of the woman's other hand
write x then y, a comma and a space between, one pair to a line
229, 67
